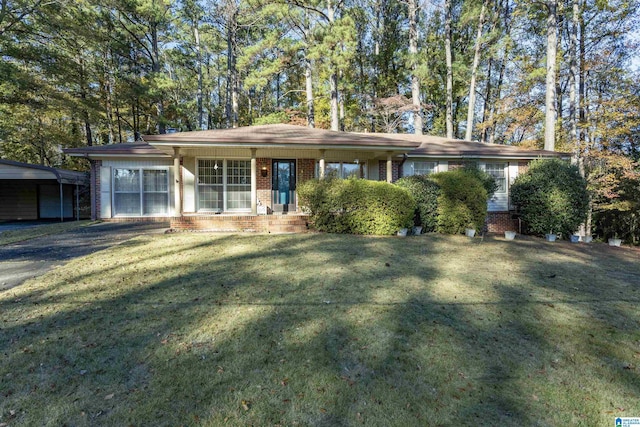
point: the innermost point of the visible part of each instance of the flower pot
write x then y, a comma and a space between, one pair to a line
403, 232
509, 235
470, 232
615, 242
416, 230
575, 238
587, 239
551, 237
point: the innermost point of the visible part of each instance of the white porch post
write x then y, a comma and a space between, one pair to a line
321, 166
254, 183
389, 167
178, 182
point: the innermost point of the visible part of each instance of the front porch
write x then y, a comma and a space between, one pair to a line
231, 223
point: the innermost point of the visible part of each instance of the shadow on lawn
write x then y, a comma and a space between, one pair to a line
346, 335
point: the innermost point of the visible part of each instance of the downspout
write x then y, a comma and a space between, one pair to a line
77, 201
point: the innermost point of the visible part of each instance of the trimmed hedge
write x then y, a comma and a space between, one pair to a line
551, 196
462, 202
356, 206
425, 192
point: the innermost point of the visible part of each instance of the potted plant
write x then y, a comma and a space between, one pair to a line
470, 232
587, 238
551, 236
403, 232
575, 238
615, 241
417, 230
509, 235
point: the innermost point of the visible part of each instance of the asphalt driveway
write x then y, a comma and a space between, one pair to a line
32, 258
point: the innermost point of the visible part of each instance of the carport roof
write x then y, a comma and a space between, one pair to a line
62, 176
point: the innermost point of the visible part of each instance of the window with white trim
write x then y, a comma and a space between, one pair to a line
498, 172
415, 167
210, 185
138, 192
343, 170
238, 184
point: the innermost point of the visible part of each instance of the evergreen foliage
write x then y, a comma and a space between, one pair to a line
551, 197
356, 206
425, 192
462, 202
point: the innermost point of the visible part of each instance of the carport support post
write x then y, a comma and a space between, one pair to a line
321, 166
178, 182
61, 203
77, 202
254, 183
389, 167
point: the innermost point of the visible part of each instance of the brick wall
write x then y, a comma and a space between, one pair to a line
306, 169
499, 222
243, 223
523, 166
382, 170
264, 182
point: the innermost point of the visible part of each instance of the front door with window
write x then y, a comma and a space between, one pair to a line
283, 187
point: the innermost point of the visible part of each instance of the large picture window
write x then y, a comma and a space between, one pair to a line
224, 185
238, 184
497, 171
413, 167
343, 170
139, 192
210, 185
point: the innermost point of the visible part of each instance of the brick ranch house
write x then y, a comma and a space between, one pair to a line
245, 178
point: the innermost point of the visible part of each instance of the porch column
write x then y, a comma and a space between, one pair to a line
254, 183
321, 166
178, 182
389, 167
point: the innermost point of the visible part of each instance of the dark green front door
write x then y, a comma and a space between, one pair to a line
283, 187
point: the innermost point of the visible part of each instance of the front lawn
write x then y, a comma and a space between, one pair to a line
328, 330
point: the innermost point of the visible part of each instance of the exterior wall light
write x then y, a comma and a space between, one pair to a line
264, 172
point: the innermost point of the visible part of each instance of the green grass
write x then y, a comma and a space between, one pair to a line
325, 330
20, 235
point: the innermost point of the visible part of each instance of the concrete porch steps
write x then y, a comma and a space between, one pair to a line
243, 223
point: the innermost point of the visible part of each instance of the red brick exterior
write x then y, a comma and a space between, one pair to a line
382, 170
499, 222
306, 169
243, 223
523, 166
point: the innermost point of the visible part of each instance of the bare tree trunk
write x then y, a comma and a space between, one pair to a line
474, 74
333, 79
232, 72
550, 104
155, 67
413, 55
311, 121
449, 61
196, 35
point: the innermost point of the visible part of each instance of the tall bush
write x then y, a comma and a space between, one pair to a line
487, 180
356, 206
551, 197
462, 202
425, 192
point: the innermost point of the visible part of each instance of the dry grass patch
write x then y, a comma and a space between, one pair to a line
13, 236
201, 329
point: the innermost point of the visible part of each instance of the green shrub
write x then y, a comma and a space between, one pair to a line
425, 192
462, 202
551, 197
487, 180
356, 206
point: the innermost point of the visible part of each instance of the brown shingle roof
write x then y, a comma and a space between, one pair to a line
436, 146
280, 134
136, 149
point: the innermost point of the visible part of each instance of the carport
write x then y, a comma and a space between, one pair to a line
31, 192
